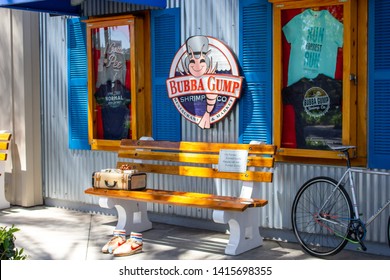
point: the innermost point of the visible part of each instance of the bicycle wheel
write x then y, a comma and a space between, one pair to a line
321, 215
388, 231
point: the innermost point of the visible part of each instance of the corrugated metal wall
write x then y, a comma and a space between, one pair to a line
67, 172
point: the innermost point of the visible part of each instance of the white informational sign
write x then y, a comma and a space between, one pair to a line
232, 160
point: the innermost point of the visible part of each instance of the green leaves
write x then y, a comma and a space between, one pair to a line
7, 245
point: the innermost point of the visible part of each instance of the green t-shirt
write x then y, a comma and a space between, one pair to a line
315, 37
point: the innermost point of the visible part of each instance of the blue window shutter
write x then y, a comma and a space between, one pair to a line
77, 85
379, 80
255, 57
165, 31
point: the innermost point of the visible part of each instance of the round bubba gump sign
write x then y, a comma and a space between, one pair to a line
204, 81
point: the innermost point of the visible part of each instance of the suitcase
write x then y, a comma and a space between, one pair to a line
118, 179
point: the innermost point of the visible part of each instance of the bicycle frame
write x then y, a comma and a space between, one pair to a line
350, 171
348, 175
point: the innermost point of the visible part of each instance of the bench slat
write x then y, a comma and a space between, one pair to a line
203, 147
4, 146
190, 157
196, 171
3, 156
182, 198
5, 136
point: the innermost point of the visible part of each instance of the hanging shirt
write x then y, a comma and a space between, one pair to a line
317, 110
114, 99
315, 37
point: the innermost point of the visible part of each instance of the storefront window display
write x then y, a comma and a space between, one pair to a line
313, 61
312, 84
111, 53
116, 50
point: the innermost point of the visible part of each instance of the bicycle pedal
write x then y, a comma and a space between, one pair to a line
362, 248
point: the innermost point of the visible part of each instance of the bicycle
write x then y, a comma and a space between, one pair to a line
325, 217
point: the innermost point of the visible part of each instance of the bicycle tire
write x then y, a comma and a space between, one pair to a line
388, 231
321, 234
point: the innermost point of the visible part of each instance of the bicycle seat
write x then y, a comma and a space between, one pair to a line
340, 148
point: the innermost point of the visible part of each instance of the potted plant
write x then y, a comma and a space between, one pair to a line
8, 251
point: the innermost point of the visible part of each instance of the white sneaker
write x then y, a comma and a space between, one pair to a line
117, 240
133, 245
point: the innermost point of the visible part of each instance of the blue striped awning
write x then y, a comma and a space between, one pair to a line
66, 7
55, 7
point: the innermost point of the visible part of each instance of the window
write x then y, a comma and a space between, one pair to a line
315, 72
118, 91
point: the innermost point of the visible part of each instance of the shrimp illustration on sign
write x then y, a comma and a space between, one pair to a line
198, 63
204, 91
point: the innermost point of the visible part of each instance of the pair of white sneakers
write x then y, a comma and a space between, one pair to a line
119, 246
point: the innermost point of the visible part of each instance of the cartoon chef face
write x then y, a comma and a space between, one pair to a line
197, 62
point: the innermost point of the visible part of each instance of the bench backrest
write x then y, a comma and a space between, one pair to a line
4, 145
196, 159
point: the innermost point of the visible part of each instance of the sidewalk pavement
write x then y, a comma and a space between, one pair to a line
49, 233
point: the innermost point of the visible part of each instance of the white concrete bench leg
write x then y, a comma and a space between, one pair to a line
132, 215
243, 227
4, 203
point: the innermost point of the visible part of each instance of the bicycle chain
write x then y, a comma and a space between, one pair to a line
357, 233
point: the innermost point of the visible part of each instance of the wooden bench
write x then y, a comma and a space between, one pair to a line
196, 159
5, 138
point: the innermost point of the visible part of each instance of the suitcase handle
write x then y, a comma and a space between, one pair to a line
108, 185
